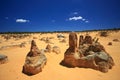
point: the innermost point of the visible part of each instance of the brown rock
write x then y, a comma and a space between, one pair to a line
71, 61
34, 37
115, 40
96, 48
103, 66
81, 39
63, 41
35, 60
88, 55
96, 41
22, 45
48, 48
110, 43
34, 51
73, 42
88, 39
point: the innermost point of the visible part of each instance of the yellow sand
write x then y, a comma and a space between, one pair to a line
12, 70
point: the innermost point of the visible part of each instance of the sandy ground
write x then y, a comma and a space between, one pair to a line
12, 70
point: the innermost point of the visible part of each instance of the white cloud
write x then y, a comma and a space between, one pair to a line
22, 20
76, 18
87, 21
83, 19
75, 13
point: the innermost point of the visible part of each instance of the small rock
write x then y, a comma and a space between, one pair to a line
3, 59
115, 40
110, 43
48, 48
63, 41
56, 49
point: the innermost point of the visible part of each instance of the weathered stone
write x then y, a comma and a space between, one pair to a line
60, 35
3, 59
109, 43
63, 41
48, 48
35, 60
103, 66
81, 39
56, 49
88, 55
43, 39
22, 45
88, 39
116, 40
96, 41
73, 42
48, 40
34, 51
96, 48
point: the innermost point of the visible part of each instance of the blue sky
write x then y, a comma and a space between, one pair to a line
58, 15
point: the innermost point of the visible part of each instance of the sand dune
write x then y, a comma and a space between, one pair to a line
12, 70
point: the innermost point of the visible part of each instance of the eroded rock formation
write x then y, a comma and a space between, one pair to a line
89, 54
48, 48
56, 49
35, 60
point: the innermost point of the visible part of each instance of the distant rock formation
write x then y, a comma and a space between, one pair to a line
3, 59
60, 35
56, 49
48, 48
47, 40
89, 54
35, 60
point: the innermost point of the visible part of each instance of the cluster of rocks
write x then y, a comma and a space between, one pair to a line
54, 49
114, 40
47, 39
35, 60
88, 54
15, 36
21, 45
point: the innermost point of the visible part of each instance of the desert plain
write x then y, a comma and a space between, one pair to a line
12, 69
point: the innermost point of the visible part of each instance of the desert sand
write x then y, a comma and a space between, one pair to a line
12, 70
